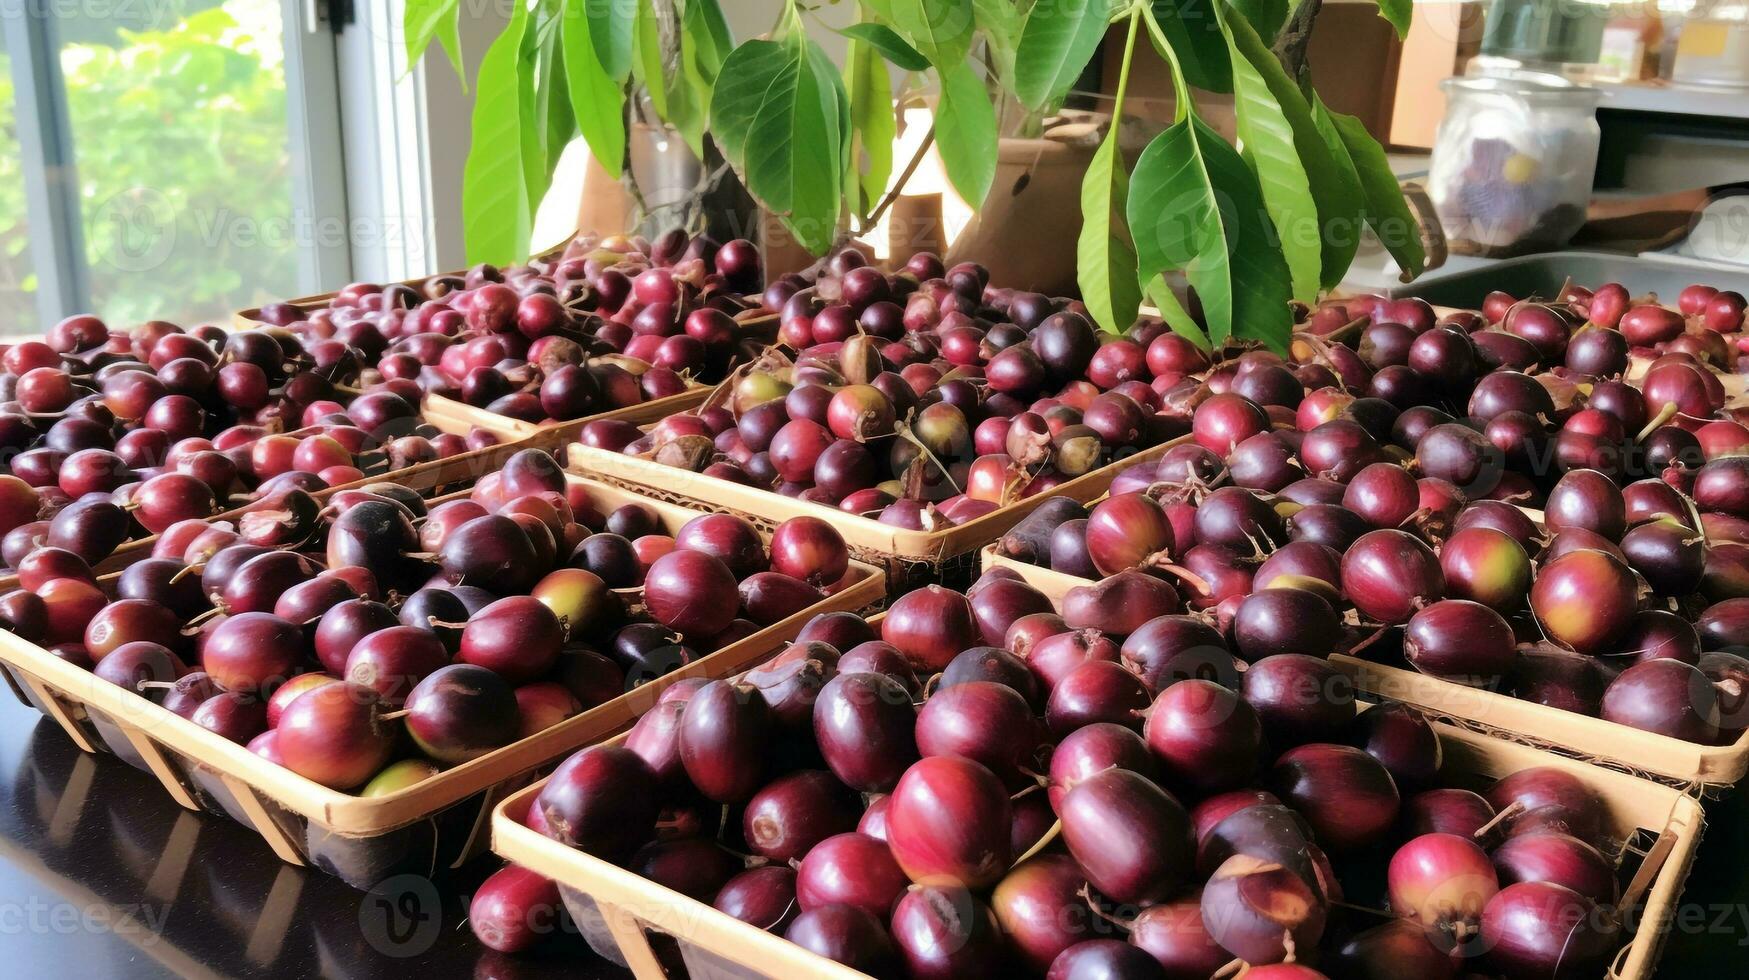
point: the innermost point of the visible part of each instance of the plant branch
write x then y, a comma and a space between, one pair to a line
1290, 45
874, 216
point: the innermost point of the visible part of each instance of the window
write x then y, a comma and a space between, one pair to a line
165, 160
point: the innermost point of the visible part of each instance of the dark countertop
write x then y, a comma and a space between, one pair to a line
101, 875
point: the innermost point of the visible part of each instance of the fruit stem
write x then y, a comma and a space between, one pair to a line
1513, 810
1232, 968
1369, 641
193, 625
1664, 415
1201, 584
1086, 893
1043, 842
393, 715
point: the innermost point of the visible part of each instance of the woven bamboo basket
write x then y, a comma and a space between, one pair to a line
433, 825
627, 918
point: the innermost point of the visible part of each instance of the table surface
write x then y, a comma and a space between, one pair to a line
102, 875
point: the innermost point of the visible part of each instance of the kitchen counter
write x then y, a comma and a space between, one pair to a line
101, 875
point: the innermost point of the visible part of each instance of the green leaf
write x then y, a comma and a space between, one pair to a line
555, 104
1268, 141
1059, 39
610, 30
495, 214
706, 37
1194, 205
1264, 16
965, 132
891, 46
873, 120
688, 100
1003, 23
1335, 188
427, 19
1177, 318
1105, 261
596, 99
941, 30
1386, 213
647, 58
532, 113
1398, 13
1190, 27
822, 67
777, 118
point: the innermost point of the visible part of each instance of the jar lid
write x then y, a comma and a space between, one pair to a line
1530, 88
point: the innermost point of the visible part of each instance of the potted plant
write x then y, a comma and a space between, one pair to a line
1246, 227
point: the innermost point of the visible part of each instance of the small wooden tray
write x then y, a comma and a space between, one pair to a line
910, 558
438, 822
620, 912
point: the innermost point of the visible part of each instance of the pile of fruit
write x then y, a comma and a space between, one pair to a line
1338, 523
369, 642
928, 414
1160, 771
112, 436
606, 324
1068, 801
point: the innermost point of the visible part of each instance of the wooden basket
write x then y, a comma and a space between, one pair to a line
910, 558
1047, 580
250, 318
435, 824
621, 913
434, 477
454, 416
1688, 765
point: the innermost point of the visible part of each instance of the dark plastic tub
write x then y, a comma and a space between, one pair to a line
1543, 275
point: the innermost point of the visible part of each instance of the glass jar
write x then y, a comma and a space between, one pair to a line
1513, 163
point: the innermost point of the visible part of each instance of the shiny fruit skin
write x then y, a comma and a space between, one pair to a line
725, 737
252, 651
461, 712
517, 637
1129, 835
948, 822
335, 736
515, 909
864, 724
398, 776
1346, 795
1535, 930
1486, 566
1036, 905
851, 869
1205, 736
785, 819
1585, 600
691, 592
945, 932
1386, 572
